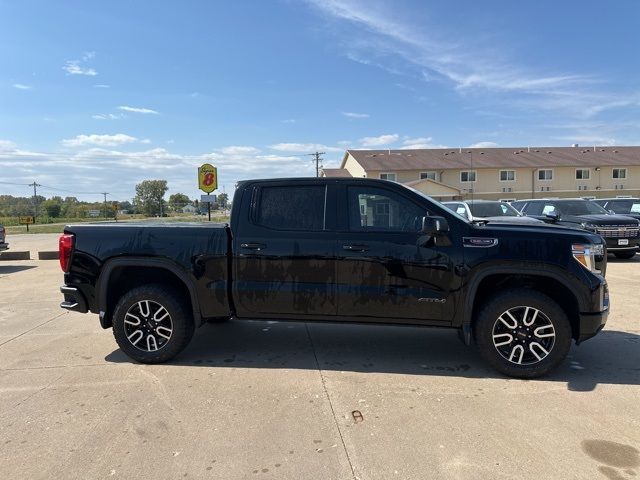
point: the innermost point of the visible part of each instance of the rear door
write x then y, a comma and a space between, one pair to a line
284, 251
387, 269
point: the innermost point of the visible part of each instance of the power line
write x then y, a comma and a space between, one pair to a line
35, 199
105, 202
317, 159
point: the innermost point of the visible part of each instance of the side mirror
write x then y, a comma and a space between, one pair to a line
434, 226
554, 216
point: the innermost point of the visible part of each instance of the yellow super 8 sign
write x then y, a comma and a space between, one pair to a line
207, 178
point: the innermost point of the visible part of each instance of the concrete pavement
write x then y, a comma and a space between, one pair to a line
304, 401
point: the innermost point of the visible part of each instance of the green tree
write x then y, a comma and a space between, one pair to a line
52, 207
177, 201
223, 198
149, 197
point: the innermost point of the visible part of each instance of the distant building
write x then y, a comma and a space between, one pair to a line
189, 209
502, 173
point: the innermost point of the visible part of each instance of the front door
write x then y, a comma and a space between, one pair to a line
387, 269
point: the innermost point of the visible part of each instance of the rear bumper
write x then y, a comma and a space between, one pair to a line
73, 300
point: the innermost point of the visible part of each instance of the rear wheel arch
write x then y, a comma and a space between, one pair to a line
121, 275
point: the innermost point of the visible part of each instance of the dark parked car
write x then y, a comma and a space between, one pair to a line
622, 206
621, 233
3, 244
347, 251
489, 210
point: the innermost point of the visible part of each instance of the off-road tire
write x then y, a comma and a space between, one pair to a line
517, 300
180, 317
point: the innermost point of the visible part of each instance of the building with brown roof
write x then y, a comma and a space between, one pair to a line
502, 173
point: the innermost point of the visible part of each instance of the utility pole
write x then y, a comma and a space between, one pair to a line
35, 199
105, 203
317, 159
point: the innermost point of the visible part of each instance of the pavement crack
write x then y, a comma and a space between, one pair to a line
32, 329
326, 392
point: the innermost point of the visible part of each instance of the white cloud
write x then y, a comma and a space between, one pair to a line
391, 40
239, 150
379, 140
303, 147
126, 108
107, 116
78, 67
288, 120
102, 85
419, 143
355, 115
21, 86
119, 171
484, 145
99, 140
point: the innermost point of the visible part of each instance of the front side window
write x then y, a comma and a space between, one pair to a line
429, 175
545, 174
507, 175
619, 173
378, 209
583, 174
468, 176
388, 176
292, 208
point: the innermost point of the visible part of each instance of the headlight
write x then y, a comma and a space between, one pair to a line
584, 253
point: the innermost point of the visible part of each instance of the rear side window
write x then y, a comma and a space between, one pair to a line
292, 208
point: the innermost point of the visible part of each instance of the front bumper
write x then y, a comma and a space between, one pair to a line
73, 299
4, 246
591, 324
613, 244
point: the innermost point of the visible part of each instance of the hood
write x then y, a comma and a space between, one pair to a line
600, 219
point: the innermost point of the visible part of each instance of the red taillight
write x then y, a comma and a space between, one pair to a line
65, 247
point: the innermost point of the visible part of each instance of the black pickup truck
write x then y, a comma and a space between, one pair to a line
342, 250
620, 232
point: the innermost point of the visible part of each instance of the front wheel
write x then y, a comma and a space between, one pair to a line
523, 333
625, 255
152, 323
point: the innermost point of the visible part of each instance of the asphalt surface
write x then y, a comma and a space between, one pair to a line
304, 401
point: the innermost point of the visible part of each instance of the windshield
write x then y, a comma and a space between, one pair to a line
497, 209
581, 207
625, 206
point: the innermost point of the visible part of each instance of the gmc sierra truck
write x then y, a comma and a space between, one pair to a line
342, 250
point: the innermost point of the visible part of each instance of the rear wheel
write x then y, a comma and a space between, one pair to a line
152, 323
625, 255
523, 333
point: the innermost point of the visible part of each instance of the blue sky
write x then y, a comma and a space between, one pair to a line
97, 96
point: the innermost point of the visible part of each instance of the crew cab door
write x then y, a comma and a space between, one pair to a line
284, 251
387, 269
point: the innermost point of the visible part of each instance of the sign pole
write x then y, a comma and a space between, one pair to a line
209, 209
